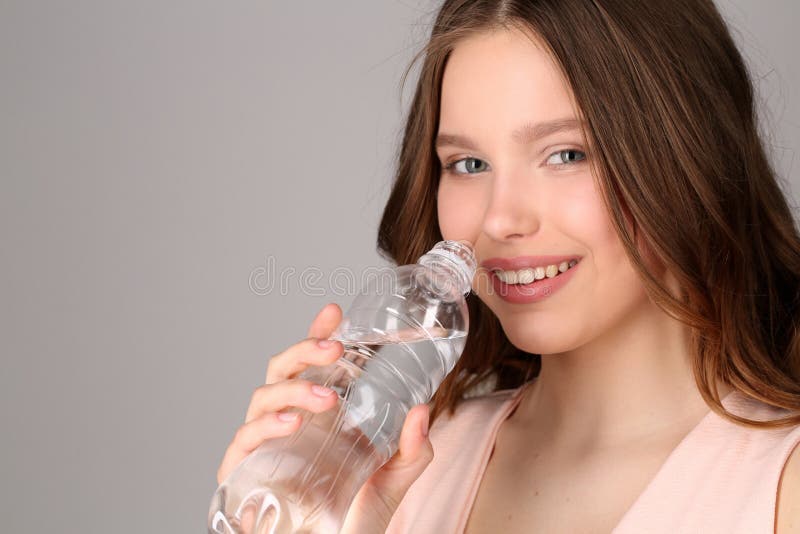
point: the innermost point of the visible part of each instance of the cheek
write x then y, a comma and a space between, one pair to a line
652, 263
459, 209
583, 214
614, 279
618, 284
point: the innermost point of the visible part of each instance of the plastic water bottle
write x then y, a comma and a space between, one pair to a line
402, 335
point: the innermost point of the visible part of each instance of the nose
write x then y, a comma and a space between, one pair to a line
512, 212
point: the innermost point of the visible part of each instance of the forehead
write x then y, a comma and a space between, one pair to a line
503, 77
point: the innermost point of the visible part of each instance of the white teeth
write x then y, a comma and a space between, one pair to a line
526, 276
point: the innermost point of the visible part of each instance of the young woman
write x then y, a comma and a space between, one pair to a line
648, 378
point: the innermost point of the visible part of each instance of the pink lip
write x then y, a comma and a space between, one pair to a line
538, 289
524, 262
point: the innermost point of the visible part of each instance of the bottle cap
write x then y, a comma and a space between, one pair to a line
458, 254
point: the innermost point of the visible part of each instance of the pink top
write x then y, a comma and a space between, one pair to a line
721, 477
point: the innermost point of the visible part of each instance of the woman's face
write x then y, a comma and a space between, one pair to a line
516, 182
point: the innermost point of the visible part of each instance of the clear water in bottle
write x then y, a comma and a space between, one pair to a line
399, 346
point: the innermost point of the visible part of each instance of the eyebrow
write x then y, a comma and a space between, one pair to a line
528, 133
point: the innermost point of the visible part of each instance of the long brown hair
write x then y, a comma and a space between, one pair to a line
670, 120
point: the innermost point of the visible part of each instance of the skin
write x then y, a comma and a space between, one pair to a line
613, 364
615, 368
375, 503
615, 375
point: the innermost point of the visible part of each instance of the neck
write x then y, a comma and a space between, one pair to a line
633, 383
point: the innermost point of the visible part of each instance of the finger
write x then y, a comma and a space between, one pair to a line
251, 435
414, 453
414, 440
291, 393
299, 356
326, 321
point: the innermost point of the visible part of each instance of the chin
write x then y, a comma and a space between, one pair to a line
536, 332
543, 339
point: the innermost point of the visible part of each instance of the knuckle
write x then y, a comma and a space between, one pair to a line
272, 371
281, 360
276, 360
257, 392
260, 395
241, 433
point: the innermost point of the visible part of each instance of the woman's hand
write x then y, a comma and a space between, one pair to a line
377, 500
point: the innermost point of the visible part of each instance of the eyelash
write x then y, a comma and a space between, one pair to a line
450, 166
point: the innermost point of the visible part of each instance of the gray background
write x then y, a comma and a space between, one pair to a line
154, 155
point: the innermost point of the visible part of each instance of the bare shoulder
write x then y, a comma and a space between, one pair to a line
787, 519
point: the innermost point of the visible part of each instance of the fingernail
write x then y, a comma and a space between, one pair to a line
425, 427
325, 343
321, 391
283, 416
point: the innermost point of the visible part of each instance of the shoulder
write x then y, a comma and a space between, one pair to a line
471, 417
787, 510
725, 477
777, 456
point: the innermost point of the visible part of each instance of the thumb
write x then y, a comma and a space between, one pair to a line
415, 452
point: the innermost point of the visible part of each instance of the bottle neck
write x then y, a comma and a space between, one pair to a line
453, 264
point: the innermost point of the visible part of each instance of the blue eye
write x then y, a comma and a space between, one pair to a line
469, 166
563, 157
